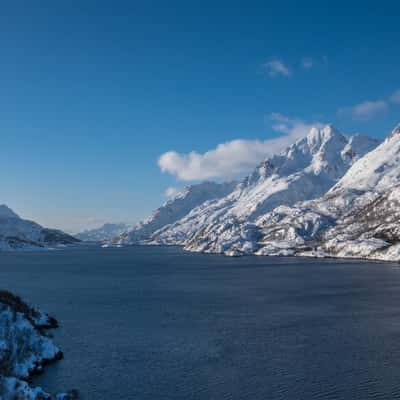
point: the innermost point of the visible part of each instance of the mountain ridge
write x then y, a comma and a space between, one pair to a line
306, 169
104, 233
174, 209
21, 234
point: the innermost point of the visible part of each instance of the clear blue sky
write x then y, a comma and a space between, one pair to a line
93, 92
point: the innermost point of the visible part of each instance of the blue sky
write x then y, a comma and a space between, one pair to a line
93, 93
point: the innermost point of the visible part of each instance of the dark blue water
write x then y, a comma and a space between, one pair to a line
153, 323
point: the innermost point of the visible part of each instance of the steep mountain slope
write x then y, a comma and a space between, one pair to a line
370, 227
305, 170
104, 233
17, 233
371, 230
378, 170
358, 217
175, 209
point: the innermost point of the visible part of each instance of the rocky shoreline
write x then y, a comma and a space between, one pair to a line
25, 348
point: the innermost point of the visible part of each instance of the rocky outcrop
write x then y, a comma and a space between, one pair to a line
25, 349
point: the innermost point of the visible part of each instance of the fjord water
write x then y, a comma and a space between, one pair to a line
158, 323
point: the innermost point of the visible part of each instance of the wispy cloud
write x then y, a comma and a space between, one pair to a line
294, 128
364, 111
307, 63
367, 110
395, 97
234, 158
276, 67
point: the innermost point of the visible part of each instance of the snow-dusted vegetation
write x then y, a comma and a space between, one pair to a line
25, 349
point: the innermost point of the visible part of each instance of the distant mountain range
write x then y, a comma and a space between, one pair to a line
104, 233
20, 234
326, 195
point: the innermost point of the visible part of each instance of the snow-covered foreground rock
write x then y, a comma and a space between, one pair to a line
305, 170
105, 233
175, 209
24, 349
20, 234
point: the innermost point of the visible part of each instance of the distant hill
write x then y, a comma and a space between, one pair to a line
20, 234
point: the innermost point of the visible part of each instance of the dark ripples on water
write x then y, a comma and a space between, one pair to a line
153, 323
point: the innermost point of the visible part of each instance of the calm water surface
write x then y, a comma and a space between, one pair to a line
152, 323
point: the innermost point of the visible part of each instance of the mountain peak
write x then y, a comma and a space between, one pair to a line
330, 129
324, 131
319, 135
6, 212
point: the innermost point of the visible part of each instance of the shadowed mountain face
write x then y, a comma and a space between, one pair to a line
19, 234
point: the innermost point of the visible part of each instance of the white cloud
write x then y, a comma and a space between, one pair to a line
307, 62
369, 109
365, 110
234, 158
395, 97
294, 128
276, 67
171, 192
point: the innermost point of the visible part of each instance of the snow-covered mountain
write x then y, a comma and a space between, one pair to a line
17, 233
326, 195
370, 227
105, 233
305, 170
358, 217
175, 209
